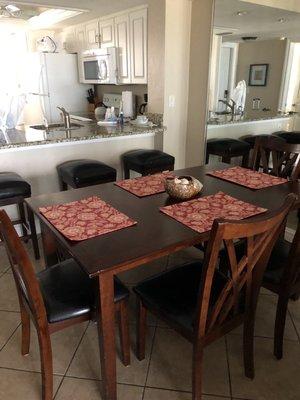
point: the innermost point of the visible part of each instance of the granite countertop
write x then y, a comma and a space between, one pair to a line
222, 119
25, 136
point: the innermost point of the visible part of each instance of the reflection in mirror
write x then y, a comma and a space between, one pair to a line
255, 63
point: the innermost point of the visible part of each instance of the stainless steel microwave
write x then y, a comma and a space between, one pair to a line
98, 66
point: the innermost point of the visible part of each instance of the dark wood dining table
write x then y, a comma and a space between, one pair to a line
155, 235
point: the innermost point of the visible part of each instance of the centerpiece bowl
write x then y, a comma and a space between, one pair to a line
183, 187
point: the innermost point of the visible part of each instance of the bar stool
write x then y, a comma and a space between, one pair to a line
250, 139
13, 191
228, 148
147, 162
83, 173
289, 137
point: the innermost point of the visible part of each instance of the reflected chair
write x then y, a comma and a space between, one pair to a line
54, 299
201, 303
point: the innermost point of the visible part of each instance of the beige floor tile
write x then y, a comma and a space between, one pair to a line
171, 364
159, 394
274, 380
138, 274
294, 308
20, 385
8, 293
86, 363
4, 263
265, 319
82, 389
64, 344
8, 323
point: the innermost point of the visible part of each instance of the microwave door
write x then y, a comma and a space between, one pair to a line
91, 71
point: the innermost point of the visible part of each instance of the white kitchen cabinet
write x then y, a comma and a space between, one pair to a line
69, 40
107, 32
92, 34
122, 38
80, 38
138, 46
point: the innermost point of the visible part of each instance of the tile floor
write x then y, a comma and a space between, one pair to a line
165, 374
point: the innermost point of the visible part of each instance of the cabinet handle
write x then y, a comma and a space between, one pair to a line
96, 38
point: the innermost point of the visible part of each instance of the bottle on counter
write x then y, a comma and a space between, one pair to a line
121, 113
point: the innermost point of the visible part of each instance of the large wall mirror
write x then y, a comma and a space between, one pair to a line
255, 67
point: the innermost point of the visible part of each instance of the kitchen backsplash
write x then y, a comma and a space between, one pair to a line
137, 90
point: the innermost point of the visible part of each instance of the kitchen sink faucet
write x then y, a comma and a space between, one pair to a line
66, 117
231, 106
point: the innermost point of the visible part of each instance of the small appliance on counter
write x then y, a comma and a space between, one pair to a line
143, 106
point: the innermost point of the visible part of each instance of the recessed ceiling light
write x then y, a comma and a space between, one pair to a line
283, 38
241, 13
282, 20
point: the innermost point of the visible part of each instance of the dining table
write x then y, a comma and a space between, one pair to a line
154, 236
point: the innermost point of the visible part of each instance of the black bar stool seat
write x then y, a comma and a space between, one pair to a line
82, 173
13, 191
147, 162
228, 148
13, 185
250, 139
289, 137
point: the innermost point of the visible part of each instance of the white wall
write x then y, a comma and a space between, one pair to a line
177, 39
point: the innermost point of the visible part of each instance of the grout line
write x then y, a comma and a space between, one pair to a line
72, 358
294, 325
228, 367
14, 331
28, 371
150, 357
11, 311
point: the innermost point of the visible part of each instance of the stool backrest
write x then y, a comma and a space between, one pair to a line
244, 276
276, 157
26, 281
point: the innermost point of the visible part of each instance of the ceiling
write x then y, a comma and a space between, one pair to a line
91, 8
258, 21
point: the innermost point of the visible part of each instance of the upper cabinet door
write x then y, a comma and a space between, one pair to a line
92, 35
69, 40
80, 38
122, 43
138, 46
107, 32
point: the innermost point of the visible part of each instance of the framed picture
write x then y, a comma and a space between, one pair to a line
258, 74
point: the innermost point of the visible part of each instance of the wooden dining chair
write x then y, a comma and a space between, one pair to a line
56, 298
276, 157
282, 277
201, 303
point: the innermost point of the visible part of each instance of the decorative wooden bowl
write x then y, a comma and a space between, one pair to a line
183, 187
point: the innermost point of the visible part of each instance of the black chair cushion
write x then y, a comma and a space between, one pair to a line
250, 139
147, 159
12, 185
277, 263
289, 137
80, 173
227, 147
174, 293
68, 292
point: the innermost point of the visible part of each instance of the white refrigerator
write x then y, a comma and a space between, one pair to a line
51, 80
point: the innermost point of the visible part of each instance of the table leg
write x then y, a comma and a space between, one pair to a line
49, 246
106, 333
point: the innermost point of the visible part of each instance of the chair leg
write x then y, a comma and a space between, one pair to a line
197, 371
124, 332
281, 311
245, 160
34, 238
63, 186
248, 346
23, 218
207, 158
126, 172
141, 330
46, 365
25, 322
226, 159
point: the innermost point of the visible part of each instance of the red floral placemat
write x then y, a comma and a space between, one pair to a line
247, 177
199, 214
86, 218
145, 185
